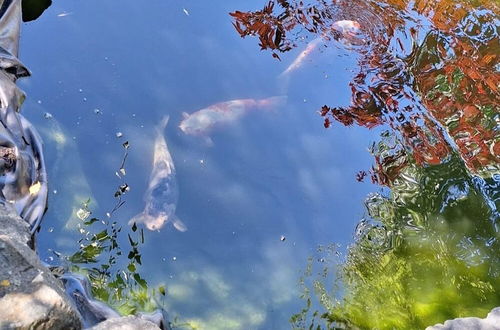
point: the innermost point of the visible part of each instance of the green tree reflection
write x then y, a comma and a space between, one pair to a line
427, 251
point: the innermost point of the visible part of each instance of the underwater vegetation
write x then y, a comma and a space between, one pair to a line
109, 255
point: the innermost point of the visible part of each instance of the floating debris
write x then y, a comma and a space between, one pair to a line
51, 229
185, 11
119, 134
35, 188
83, 213
122, 189
97, 111
282, 238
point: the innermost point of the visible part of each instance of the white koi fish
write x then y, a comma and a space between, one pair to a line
162, 194
299, 60
349, 31
203, 121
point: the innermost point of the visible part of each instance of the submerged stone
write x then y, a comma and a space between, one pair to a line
125, 323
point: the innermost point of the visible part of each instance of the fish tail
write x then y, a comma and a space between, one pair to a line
138, 218
271, 103
284, 80
163, 123
179, 225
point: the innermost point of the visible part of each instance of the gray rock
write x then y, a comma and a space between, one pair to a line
30, 297
491, 322
125, 323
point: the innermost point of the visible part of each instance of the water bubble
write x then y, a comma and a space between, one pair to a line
39, 101
84, 99
54, 191
97, 111
80, 90
47, 115
51, 229
282, 238
163, 259
119, 134
174, 258
108, 214
122, 171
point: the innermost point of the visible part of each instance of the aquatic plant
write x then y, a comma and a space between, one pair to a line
112, 265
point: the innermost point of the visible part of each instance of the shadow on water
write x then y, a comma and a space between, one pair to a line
32, 9
427, 249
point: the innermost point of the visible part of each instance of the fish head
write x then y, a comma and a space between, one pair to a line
150, 222
199, 122
155, 223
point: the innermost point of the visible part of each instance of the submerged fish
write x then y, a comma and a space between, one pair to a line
345, 31
299, 60
163, 193
203, 121
68, 178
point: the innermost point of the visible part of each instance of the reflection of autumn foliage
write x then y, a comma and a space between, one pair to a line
445, 86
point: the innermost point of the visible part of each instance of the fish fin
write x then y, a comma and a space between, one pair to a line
138, 218
272, 104
163, 123
208, 141
185, 115
284, 81
179, 225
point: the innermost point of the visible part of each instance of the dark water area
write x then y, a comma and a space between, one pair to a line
401, 193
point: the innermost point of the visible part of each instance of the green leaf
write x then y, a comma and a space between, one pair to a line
161, 289
91, 221
140, 281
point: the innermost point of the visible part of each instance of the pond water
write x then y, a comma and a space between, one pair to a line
259, 194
